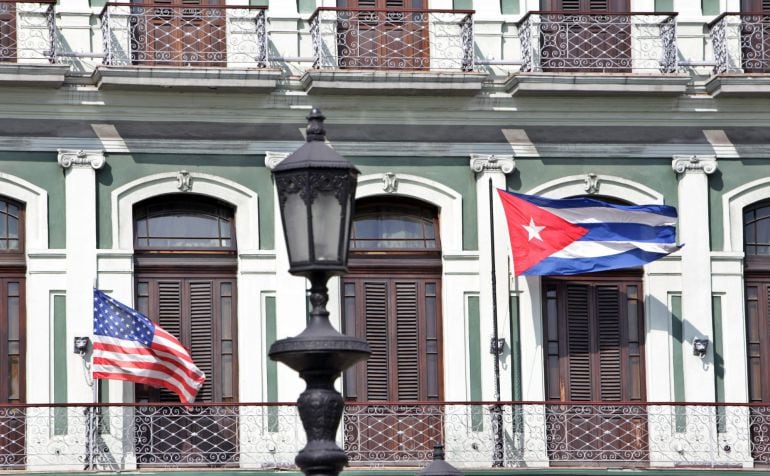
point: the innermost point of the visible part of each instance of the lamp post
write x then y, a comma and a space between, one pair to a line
316, 191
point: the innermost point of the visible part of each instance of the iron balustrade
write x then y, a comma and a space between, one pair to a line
561, 41
184, 35
110, 437
741, 42
392, 39
27, 32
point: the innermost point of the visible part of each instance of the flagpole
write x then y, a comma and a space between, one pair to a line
92, 413
497, 422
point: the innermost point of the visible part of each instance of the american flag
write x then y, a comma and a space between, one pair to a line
128, 346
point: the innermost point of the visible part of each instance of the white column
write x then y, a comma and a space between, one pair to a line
494, 168
290, 297
80, 201
693, 196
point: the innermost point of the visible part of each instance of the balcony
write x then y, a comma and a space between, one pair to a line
603, 52
27, 44
185, 46
376, 434
409, 50
741, 43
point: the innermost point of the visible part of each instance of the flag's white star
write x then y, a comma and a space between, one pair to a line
533, 230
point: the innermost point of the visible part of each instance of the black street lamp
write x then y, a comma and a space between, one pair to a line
316, 190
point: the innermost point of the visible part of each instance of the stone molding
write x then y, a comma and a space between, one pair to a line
684, 164
484, 163
81, 158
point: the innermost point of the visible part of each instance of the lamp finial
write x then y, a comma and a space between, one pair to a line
315, 126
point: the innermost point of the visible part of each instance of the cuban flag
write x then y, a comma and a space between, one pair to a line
583, 235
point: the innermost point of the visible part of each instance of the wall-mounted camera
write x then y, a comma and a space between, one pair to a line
700, 347
81, 344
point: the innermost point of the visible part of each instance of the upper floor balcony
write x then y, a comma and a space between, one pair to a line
189, 33
741, 43
27, 31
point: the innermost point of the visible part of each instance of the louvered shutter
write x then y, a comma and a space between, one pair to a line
608, 320
755, 6
407, 341
201, 345
376, 325
169, 317
618, 6
578, 343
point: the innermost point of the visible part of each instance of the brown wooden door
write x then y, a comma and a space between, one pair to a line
594, 353
12, 358
755, 36
400, 318
200, 312
391, 36
180, 33
580, 39
758, 359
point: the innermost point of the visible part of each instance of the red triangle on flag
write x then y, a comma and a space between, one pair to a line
535, 233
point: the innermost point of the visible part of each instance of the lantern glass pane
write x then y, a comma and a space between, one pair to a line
327, 226
295, 223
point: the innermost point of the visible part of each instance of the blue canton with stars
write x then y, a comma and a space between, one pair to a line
115, 319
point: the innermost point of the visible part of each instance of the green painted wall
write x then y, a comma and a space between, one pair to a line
455, 173
654, 173
729, 175
60, 362
248, 171
43, 170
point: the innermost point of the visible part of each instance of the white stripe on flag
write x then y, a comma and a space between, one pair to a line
596, 249
611, 215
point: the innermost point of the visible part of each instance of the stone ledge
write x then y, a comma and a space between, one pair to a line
153, 77
755, 84
400, 82
33, 75
597, 83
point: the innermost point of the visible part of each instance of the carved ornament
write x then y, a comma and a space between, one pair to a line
389, 182
183, 181
592, 184
481, 163
272, 159
81, 158
706, 164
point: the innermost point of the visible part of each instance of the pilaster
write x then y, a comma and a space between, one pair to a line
80, 191
693, 172
493, 169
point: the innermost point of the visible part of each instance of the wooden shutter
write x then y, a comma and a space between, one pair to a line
407, 341
376, 325
618, 6
578, 343
203, 324
200, 313
755, 6
608, 318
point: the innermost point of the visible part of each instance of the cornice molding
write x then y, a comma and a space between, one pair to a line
481, 163
93, 159
685, 164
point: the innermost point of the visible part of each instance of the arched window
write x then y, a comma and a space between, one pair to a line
186, 281
756, 230
187, 222
401, 226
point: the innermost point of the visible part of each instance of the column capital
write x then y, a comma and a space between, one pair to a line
81, 158
272, 159
684, 164
485, 163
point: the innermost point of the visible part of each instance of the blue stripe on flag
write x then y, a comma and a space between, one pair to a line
628, 232
566, 266
665, 210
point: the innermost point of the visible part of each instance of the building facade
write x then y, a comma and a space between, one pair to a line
136, 144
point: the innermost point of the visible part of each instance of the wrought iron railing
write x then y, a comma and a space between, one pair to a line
375, 434
27, 32
187, 35
741, 43
598, 42
371, 38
